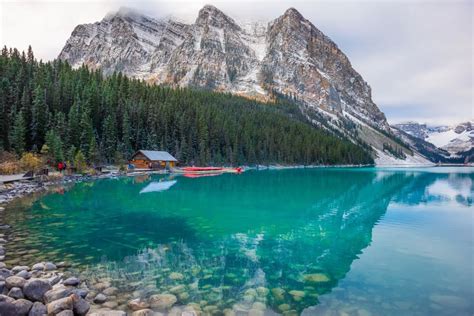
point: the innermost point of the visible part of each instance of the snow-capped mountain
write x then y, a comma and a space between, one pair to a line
455, 141
288, 56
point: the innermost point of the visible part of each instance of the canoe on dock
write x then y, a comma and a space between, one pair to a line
206, 170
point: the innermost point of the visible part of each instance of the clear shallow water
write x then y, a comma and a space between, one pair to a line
304, 241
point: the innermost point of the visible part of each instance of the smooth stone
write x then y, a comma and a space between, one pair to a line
316, 278
4, 298
143, 312
81, 292
137, 304
80, 305
56, 293
17, 269
110, 304
60, 305
5, 273
35, 289
72, 281
38, 266
49, 266
284, 307
177, 289
22, 306
24, 274
7, 308
2, 286
16, 293
162, 301
110, 291
100, 298
278, 293
15, 281
65, 313
176, 276
297, 295
2, 265
38, 309
101, 286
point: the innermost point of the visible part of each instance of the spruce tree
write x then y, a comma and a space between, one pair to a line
18, 134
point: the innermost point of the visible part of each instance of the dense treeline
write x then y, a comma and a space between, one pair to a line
108, 118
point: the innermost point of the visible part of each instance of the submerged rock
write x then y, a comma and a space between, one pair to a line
316, 278
72, 281
100, 298
176, 276
143, 312
162, 301
137, 304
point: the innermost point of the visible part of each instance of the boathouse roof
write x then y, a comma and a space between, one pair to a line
155, 155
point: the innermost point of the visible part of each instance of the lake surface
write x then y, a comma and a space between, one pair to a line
300, 241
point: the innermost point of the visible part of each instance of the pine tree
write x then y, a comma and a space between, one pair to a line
18, 134
39, 116
109, 138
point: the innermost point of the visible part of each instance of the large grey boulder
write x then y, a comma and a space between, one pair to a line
35, 289
38, 309
22, 307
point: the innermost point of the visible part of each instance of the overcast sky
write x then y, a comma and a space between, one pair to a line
416, 55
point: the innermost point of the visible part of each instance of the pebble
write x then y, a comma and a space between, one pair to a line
100, 298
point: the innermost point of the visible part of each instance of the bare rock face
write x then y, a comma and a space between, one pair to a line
288, 56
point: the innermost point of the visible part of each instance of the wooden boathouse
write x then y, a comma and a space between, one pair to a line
152, 159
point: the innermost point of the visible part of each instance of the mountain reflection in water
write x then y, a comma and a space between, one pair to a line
280, 238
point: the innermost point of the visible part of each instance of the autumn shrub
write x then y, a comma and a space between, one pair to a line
30, 161
10, 167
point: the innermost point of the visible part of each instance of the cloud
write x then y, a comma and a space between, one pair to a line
416, 55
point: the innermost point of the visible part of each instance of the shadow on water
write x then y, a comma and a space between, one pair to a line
281, 238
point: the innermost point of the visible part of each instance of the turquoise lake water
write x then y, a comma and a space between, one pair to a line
299, 241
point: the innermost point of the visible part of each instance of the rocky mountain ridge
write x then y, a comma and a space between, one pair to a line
449, 142
286, 57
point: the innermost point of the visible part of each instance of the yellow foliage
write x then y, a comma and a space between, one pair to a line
10, 167
31, 161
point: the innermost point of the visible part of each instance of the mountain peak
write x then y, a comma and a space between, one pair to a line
210, 15
293, 13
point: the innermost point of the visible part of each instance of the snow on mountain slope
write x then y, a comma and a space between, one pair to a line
286, 57
453, 139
